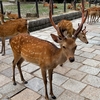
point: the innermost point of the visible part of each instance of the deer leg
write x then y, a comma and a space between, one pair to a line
20, 71
87, 19
3, 46
97, 19
91, 19
50, 72
45, 83
14, 65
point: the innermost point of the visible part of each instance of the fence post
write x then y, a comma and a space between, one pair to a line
95, 2
18, 6
74, 4
1, 7
52, 8
89, 3
37, 11
64, 5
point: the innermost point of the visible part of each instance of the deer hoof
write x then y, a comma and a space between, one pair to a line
14, 83
25, 82
3, 54
53, 97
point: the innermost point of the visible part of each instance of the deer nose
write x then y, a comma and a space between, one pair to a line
71, 59
87, 42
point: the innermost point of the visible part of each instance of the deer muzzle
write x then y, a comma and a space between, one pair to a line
71, 59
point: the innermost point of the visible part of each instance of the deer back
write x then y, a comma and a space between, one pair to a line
66, 26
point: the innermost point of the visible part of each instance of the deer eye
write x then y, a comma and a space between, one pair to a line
83, 36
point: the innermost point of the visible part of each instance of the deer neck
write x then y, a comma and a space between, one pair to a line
59, 57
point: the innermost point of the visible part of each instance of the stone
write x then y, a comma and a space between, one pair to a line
8, 90
87, 49
27, 76
61, 70
59, 79
89, 69
68, 95
92, 80
30, 68
91, 92
88, 54
4, 80
38, 73
74, 86
73, 65
4, 66
26, 94
56, 90
35, 84
75, 74
91, 62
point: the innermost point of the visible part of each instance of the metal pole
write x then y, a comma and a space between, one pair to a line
89, 3
52, 8
64, 5
18, 6
95, 2
1, 7
37, 11
74, 4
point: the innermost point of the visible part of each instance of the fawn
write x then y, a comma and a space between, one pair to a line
44, 53
12, 16
11, 28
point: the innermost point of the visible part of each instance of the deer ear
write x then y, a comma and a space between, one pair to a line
56, 38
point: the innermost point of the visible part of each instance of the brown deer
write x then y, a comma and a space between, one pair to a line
46, 4
11, 28
69, 6
93, 15
12, 15
44, 53
67, 27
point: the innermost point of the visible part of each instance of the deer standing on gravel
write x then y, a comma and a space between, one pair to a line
11, 28
44, 53
93, 15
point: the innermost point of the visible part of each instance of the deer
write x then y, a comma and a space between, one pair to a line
44, 53
69, 6
46, 4
11, 28
67, 27
93, 12
12, 15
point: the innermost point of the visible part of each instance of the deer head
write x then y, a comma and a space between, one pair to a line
82, 35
